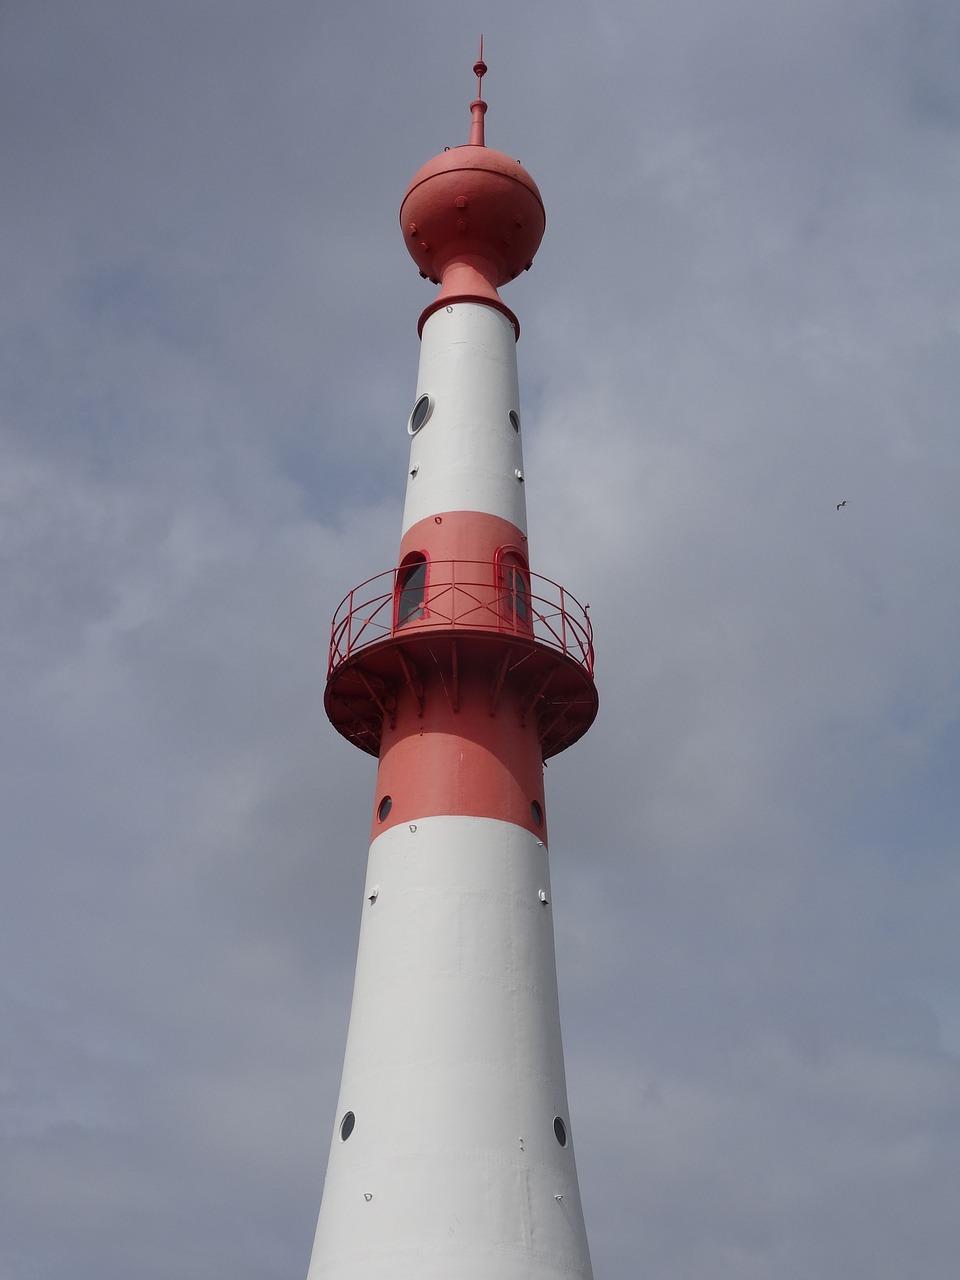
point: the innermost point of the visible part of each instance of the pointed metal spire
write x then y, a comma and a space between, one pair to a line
478, 107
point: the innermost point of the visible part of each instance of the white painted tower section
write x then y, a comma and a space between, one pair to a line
467, 456
454, 1070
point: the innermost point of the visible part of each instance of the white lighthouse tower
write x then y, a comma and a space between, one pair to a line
461, 670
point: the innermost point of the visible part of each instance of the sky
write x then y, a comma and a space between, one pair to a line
745, 311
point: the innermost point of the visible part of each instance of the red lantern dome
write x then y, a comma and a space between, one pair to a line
472, 218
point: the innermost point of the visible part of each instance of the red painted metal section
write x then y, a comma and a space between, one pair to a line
472, 219
467, 759
461, 535
473, 204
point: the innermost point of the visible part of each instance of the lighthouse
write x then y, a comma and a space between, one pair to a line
462, 670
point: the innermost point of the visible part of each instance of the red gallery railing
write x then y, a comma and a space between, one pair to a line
468, 597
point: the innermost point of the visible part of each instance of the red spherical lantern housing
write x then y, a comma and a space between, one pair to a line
472, 220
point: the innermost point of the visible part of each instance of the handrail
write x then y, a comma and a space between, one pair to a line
465, 596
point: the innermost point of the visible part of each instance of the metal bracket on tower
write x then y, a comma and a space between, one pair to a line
528, 703
454, 677
548, 728
387, 704
414, 683
498, 682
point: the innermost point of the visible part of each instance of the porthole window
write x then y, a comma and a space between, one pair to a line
536, 812
346, 1126
421, 412
384, 807
560, 1129
515, 420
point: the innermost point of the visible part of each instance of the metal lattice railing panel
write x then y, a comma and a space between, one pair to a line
464, 596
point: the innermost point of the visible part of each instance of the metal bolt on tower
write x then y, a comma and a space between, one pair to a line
461, 670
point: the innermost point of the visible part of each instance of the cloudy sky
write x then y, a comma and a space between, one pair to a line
746, 309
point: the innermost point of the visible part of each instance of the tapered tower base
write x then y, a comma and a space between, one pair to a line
452, 1158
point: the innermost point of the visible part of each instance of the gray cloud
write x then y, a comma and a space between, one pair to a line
745, 310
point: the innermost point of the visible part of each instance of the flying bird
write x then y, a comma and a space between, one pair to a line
841, 504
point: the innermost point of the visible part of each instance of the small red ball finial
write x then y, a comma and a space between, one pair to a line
480, 69
478, 107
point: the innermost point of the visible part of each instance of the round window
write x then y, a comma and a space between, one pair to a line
384, 807
560, 1129
515, 420
421, 412
536, 812
346, 1126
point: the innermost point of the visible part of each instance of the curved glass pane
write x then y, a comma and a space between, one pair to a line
516, 592
411, 600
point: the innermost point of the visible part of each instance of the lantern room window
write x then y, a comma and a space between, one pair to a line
517, 592
514, 589
411, 588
